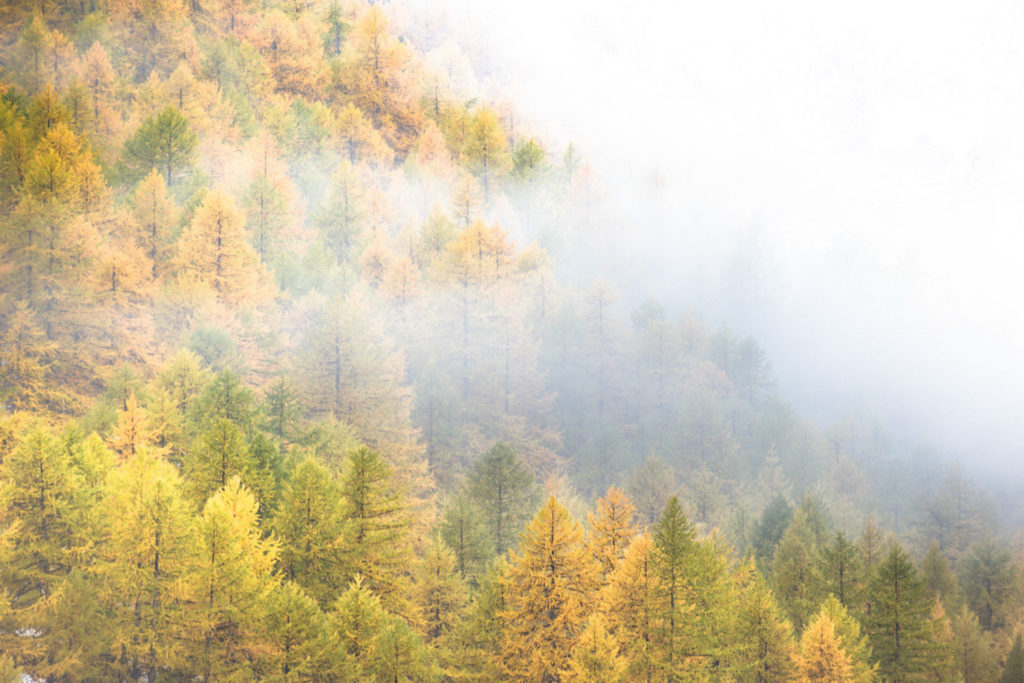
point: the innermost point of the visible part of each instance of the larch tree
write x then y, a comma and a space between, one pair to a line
628, 603
596, 657
309, 525
438, 591
375, 528
485, 150
763, 642
672, 561
214, 249
854, 642
374, 75
821, 656
792, 570
611, 529
548, 594
973, 655
45, 538
143, 563
231, 578
299, 634
155, 215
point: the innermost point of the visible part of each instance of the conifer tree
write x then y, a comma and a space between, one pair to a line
851, 638
503, 489
144, 561
44, 538
899, 624
463, 531
298, 631
309, 524
358, 619
821, 656
611, 529
547, 593
478, 637
439, 593
485, 150
792, 570
671, 559
838, 570
154, 214
939, 579
628, 603
596, 658
763, 639
164, 142
988, 580
219, 454
215, 250
973, 657
375, 529
1013, 671
231, 580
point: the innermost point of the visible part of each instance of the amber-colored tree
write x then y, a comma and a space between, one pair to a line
215, 250
548, 593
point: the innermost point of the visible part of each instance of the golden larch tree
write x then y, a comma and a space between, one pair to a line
549, 594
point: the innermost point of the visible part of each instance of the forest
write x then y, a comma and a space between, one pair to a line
294, 387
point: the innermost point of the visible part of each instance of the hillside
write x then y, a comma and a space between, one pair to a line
287, 368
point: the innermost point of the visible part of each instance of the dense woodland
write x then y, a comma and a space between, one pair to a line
292, 388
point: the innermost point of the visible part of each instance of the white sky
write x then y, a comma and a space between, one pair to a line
875, 150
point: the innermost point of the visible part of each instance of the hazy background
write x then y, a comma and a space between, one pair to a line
844, 183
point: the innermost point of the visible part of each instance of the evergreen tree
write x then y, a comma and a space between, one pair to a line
769, 529
1013, 672
164, 142
838, 570
899, 624
463, 530
220, 453
547, 593
503, 490
988, 580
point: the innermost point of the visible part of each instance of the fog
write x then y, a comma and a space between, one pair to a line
842, 182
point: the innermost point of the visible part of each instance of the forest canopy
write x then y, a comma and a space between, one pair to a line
292, 387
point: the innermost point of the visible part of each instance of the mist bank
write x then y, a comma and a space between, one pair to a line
839, 184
